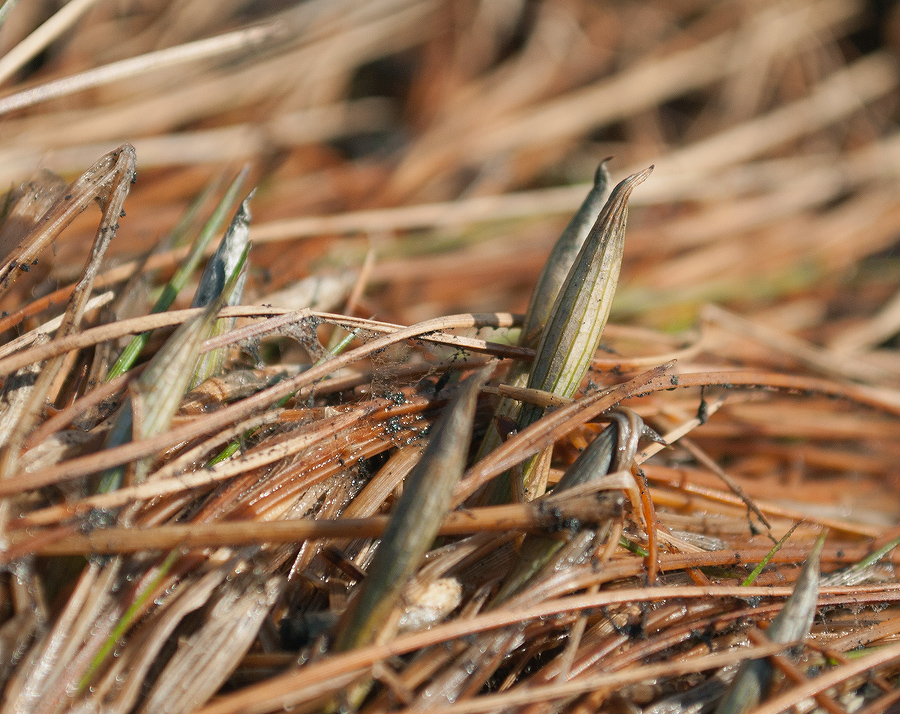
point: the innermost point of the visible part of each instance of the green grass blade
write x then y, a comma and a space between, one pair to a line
158, 392
859, 572
134, 348
750, 579
128, 619
222, 269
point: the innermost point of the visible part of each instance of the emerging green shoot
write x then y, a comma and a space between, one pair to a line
134, 348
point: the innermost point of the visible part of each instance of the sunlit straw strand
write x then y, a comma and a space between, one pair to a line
169, 57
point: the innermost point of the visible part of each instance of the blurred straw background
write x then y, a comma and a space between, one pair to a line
416, 159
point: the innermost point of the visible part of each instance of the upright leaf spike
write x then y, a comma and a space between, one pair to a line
549, 282
790, 625
562, 257
134, 348
226, 266
415, 520
581, 309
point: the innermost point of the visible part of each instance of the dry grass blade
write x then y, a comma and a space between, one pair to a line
127, 676
41, 37
320, 678
194, 674
106, 182
415, 161
887, 655
82, 466
46, 676
192, 52
430, 332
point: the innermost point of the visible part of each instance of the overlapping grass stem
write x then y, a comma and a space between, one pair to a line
385, 491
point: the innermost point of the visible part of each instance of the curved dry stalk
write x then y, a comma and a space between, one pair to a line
684, 493
545, 431
106, 182
280, 317
885, 400
171, 56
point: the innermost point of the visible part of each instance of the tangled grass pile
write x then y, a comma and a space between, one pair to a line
351, 398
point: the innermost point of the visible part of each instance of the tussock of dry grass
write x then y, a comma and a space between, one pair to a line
415, 160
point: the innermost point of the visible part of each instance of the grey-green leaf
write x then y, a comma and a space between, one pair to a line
614, 449
416, 518
179, 279
581, 309
561, 258
549, 282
